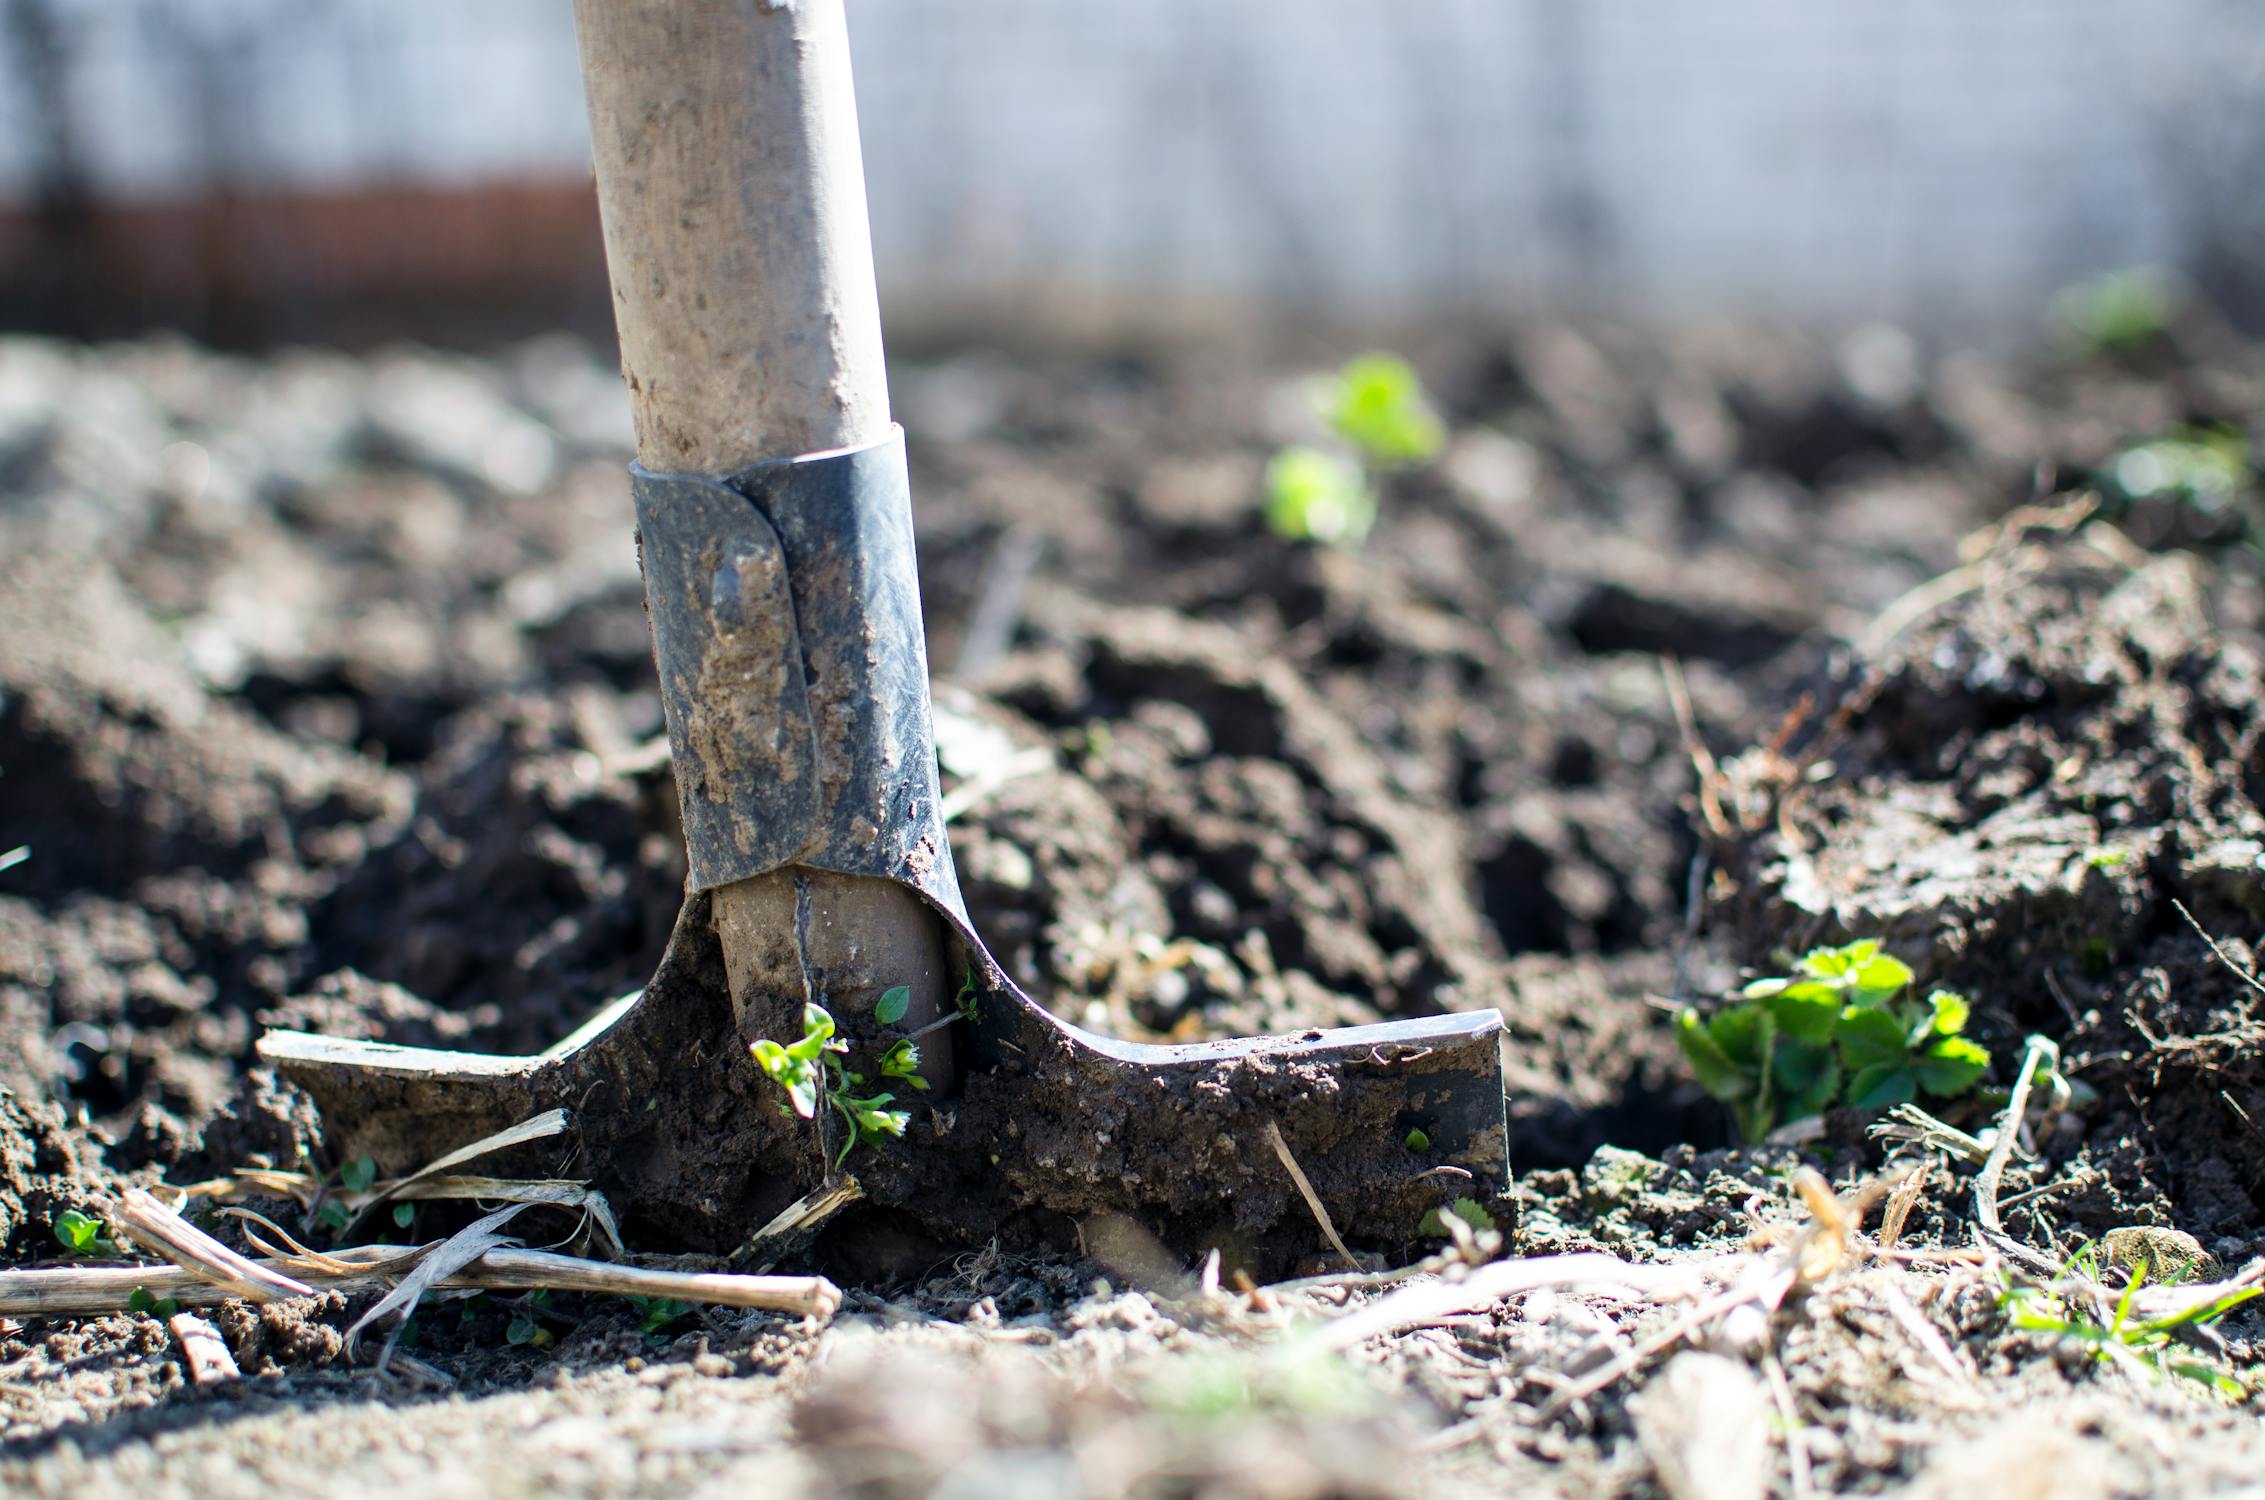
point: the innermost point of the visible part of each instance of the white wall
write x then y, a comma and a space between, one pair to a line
1937, 161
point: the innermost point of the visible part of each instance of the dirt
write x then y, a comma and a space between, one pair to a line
326, 702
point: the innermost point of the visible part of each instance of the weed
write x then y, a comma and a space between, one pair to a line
811, 1070
83, 1234
141, 1300
654, 1314
1375, 407
1416, 1140
1466, 1209
2161, 1346
1836, 1031
1377, 404
355, 1176
890, 1008
2118, 310
526, 1330
1314, 496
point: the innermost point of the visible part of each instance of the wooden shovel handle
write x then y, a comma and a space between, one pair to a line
730, 183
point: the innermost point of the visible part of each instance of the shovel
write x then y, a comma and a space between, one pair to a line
775, 529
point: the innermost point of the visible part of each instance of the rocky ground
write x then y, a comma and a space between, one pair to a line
326, 702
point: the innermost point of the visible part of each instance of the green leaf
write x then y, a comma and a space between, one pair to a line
78, 1233
1416, 1140
1807, 1011
333, 1215
892, 1005
1807, 1076
1312, 496
1868, 1037
1717, 1073
1466, 1209
1744, 1032
525, 1330
1813, 1098
1881, 1086
1950, 1066
1377, 404
357, 1175
404, 1214
1838, 963
1881, 978
143, 1301
1949, 1013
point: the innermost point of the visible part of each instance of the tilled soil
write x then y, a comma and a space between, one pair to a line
326, 702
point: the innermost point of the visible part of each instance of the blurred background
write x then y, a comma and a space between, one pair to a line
349, 170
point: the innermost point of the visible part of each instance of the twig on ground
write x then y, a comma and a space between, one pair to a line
74, 1291
2040, 1051
160, 1230
1797, 1476
799, 1217
1702, 759
541, 1127
2232, 968
1591, 1271
440, 1262
1313, 1199
203, 1350
1901, 1201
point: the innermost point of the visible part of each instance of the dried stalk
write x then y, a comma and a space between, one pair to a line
72, 1291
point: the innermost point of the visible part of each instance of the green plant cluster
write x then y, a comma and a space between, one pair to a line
811, 1071
1836, 1031
1375, 406
2157, 1345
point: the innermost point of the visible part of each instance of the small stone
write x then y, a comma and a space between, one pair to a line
2168, 1253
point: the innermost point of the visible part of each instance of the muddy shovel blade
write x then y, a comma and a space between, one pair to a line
1051, 1126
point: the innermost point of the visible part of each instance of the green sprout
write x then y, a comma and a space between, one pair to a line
141, 1300
1375, 407
2158, 1345
811, 1070
2118, 310
1314, 496
83, 1234
526, 1329
655, 1314
1835, 1032
1469, 1210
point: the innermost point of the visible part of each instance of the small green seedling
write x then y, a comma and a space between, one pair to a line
1374, 407
1416, 1140
2155, 1345
2118, 310
140, 1300
810, 1070
1466, 1209
1315, 496
83, 1234
1835, 1032
526, 1330
655, 1314
1377, 404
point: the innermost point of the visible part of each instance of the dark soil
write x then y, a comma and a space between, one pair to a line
326, 702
